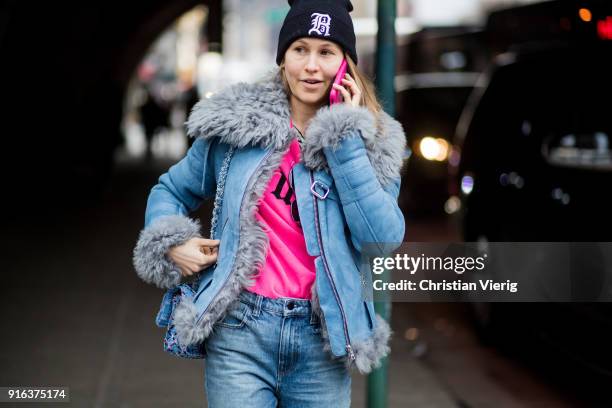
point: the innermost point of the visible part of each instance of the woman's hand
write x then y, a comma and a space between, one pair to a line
354, 97
194, 255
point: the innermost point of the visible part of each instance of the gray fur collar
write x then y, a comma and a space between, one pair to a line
244, 114
258, 114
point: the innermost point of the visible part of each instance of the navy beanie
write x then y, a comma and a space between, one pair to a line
325, 19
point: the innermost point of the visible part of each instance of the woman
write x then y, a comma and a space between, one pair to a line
280, 309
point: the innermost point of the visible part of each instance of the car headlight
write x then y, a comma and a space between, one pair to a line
435, 149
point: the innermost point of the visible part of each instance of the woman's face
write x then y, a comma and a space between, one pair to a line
310, 68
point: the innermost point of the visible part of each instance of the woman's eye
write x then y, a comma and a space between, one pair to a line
299, 49
326, 52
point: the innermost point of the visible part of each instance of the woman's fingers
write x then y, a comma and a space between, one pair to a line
186, 271
353, 97
191, 268
345, 94
198, 260
206, 250
208, 259
206, 242
356, 92
190, 257
207, 246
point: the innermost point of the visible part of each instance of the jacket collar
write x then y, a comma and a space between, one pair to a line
258, 114
244, 114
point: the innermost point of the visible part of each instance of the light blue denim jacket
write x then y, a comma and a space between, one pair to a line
346, 188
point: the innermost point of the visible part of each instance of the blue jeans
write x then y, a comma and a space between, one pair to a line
269, 353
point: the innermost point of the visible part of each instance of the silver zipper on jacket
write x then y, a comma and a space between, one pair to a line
348, 347
241, 203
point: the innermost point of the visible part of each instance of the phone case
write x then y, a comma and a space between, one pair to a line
334, 94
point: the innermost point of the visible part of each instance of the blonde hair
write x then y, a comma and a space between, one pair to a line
368, 91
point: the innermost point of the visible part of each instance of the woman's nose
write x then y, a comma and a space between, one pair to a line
312, 64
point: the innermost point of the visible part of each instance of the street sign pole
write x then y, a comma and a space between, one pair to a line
378, 384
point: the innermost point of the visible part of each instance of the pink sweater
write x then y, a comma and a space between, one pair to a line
289, 270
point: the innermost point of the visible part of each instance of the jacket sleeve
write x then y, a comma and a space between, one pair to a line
178, 192
365, 161
371, 210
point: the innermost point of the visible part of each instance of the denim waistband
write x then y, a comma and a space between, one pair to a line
284, 306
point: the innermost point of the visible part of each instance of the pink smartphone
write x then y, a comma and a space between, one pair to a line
334, 94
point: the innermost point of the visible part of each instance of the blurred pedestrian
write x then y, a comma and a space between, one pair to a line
155, 117
190, 98
303, 186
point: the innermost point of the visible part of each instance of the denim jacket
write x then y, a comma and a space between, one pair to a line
346, 188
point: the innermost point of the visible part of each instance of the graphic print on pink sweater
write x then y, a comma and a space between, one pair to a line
289, 270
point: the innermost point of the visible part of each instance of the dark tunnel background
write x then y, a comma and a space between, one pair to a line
65, 72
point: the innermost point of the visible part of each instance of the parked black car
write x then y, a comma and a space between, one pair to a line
536, 165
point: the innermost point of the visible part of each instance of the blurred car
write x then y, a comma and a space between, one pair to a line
440, 68
535, 138
536, 165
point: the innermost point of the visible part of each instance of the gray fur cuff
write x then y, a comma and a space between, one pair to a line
383, 138
329, 126
150, 260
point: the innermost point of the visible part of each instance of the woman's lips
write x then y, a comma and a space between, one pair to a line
313, 85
